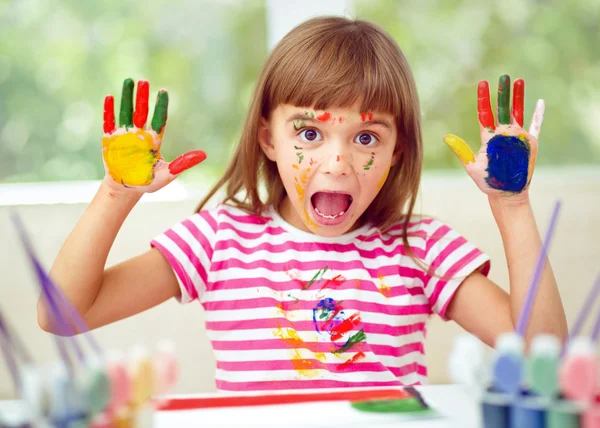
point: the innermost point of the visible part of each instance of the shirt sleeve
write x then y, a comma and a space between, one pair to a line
450, 258
188, 247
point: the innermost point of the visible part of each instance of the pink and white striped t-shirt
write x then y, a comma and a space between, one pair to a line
286, 309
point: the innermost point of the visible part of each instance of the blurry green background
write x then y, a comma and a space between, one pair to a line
59, 58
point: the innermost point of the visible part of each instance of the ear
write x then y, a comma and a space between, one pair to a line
264, 139
397, 155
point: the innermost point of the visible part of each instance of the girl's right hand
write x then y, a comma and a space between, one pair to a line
131, 153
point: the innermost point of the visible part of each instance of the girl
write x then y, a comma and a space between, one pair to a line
313, 271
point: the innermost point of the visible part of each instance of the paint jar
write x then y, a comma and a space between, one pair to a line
495, 410
564, 414
528, 412
591, 416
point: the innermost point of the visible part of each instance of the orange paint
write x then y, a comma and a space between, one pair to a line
338, 158
384, 289
295, 166
304, 366
366, 116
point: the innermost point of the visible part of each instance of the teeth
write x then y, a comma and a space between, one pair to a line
329, 216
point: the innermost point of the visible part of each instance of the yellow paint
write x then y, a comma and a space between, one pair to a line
302, 365
123, 418
382, 181
130, 157
299, 190
460, 148
383, 289
320, 356
523, 138
142, 386
295, 166
309, 221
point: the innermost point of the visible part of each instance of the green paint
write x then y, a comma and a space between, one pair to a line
504, 100
542, 374
368, 164
300, 157
400, 405
160, 112
126, 112
295, 298
358, 337
298, 125
490, 130
318, 275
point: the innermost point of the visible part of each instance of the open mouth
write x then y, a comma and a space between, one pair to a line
330, 207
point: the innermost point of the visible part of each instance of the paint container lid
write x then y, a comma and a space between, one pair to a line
542, 366
34, 390
15, 413
510, 343
581, 345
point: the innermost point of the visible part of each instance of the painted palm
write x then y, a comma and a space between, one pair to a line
504, 164
131, 153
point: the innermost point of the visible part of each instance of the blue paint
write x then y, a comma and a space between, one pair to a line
326, 308
508, 372
508, 163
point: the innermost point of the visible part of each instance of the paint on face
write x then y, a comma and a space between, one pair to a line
385, 176
312, 162
130, 158
383, 289
367, 166
338, 158
508, 163
311, 114
300, 183
324, 117
366, 116
298, 125
299, 154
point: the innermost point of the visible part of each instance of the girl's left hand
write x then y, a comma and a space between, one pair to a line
504, 165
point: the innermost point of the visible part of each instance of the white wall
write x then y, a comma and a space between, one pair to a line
448, 196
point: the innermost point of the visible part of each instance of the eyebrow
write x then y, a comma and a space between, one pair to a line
306, 118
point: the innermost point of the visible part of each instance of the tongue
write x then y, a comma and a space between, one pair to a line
330, 203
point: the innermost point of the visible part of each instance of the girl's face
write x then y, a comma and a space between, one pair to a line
332, 163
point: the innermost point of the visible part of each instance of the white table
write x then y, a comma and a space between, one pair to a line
451, 402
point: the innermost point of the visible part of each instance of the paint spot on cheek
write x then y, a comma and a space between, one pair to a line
382, 181
508, 163
338, 158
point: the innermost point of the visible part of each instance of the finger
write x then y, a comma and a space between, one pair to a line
504, 100
518, 101
460, 148
109, 114
484, 107
141, 104
537, 119
159, 119
126, 104
186, 161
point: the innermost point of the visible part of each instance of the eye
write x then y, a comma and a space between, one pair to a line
310, 135
365, 139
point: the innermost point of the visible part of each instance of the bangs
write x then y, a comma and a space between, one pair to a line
337, 67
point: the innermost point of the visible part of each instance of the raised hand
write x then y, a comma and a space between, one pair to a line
505, 161
131, 153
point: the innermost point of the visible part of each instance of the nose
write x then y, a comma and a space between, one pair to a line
338, 160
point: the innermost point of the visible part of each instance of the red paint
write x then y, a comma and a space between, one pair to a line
324, 117
518, 100
340, 120
335, 282
109, 114
344, 327
312, 161
186, 161
352, 360
366, 116
484, 108
190, 403
338, 158
141, 104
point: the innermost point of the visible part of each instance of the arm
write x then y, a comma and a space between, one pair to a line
100, 296
134, 166
484, 309
503, 169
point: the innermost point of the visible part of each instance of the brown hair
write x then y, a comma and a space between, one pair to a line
326, 62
